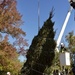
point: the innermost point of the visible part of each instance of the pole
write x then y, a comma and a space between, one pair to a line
38, 15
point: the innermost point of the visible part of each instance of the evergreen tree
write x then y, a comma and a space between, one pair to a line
42, 51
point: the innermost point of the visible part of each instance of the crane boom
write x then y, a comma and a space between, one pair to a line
63, 27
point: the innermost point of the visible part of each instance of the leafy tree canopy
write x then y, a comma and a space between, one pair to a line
10, 25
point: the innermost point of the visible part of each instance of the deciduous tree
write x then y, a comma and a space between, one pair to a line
10, 23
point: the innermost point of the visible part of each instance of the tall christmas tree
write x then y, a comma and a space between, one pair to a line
41, 52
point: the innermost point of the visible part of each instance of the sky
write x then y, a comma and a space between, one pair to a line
29, 11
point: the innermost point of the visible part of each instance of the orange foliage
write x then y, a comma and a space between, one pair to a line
10, 19
10, 22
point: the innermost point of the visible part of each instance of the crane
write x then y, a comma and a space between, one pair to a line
72, 6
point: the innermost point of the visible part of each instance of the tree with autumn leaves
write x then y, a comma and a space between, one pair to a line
10, 22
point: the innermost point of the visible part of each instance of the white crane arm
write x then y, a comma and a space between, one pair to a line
63, 27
